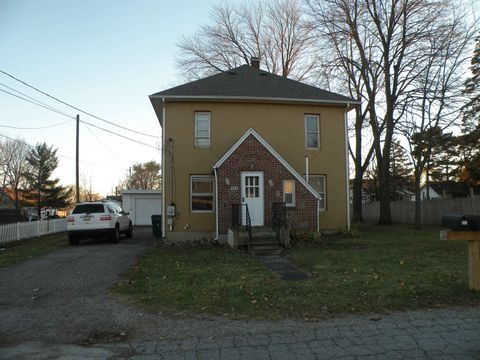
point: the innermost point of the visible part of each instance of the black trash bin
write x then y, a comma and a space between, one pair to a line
157, 225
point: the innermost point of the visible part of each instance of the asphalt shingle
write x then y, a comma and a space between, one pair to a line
248, 82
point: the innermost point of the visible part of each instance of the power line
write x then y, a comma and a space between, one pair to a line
101, 143
36, 101
39, 103
34, 128
123, 136
61, 155
76, 108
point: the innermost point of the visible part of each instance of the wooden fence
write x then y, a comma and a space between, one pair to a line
403, 212
24, 230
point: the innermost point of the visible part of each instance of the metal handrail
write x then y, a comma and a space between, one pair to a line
236, 220
279, 217
248, 225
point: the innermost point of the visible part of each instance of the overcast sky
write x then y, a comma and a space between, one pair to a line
104, 57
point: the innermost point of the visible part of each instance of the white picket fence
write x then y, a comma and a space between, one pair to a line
24, 230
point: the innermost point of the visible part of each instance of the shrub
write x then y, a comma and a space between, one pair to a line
298, 237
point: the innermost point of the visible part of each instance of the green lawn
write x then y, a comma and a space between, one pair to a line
26, 249
386, 268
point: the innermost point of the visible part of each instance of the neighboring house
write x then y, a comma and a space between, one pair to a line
246, 136
448, 189
405, 195
429, 193
369, 193
6, 200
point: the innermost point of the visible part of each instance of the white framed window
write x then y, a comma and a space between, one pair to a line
202, 129
289, 192
312, 131
318, 183
201, 193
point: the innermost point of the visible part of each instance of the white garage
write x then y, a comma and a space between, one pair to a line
142, 204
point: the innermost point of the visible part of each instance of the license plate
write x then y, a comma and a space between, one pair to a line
87, 218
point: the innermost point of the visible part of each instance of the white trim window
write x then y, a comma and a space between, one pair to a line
312, 131
318, 183
289, 193
201, 193
202, 129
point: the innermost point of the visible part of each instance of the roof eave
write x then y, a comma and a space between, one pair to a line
157, 107
349, 103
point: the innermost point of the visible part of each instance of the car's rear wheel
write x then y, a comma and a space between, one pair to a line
115, 237
129, 233
73, 239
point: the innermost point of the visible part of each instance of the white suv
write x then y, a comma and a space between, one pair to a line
97, 218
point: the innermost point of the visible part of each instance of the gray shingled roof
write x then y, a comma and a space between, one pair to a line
248, 82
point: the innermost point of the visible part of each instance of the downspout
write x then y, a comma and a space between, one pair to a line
163, 168
347, 167
306, 168
216, 203
318, 200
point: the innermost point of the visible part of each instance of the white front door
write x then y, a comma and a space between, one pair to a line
252, 195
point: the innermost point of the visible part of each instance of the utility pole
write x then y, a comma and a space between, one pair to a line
77, 176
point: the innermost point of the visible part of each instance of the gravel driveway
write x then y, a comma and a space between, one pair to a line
59, 307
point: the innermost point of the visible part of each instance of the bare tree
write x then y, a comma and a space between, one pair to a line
341, 68
13, 167
392, 39
278, 32
435, 98
86, 190
146, 176
16, 178
5, 163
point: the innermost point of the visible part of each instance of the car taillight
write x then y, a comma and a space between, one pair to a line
105, 217
71, 219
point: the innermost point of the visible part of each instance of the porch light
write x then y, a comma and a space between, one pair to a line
270, 182
227, 180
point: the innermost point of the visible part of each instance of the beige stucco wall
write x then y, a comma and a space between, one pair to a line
282, 126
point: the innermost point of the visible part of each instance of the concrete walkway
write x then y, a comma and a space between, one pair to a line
437, 334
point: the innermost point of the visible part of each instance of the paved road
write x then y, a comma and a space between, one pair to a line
59, 307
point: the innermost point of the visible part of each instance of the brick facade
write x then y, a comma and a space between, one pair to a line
251, 155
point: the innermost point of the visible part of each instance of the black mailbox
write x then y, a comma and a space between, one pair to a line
461, 222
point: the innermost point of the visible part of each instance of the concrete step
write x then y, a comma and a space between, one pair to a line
266, 250
260, 233
262, 242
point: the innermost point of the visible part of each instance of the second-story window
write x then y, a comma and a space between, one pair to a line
202, 129
312, 131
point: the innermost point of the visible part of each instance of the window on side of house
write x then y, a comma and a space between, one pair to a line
289, 192
201, 193
312, 131
318, 183
202, 129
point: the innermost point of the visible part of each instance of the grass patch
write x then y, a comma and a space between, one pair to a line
18, 252
384, 269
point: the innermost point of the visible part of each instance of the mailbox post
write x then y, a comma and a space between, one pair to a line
466, 228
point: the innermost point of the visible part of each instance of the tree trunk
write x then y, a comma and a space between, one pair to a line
17, 202
418, 200
427, 180
357, 195
385, 214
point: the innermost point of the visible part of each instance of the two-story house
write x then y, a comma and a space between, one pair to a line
251, 138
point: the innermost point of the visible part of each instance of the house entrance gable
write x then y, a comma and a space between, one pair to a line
252, 154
